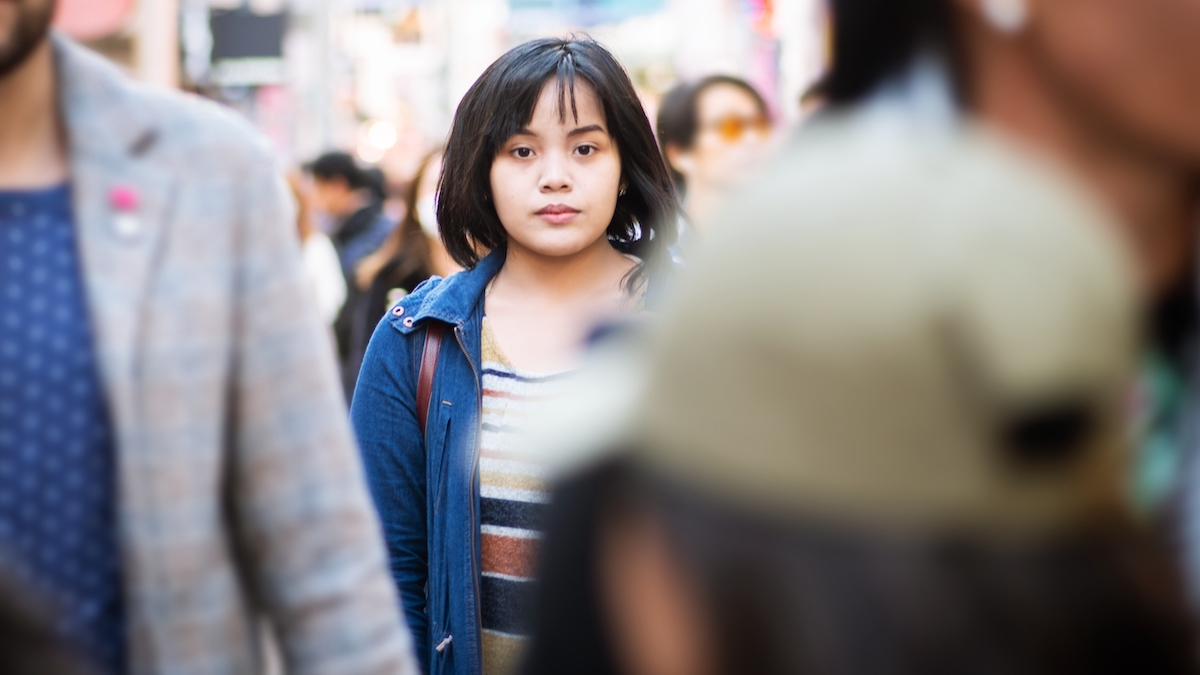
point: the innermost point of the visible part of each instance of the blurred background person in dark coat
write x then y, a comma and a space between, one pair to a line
386, 276
352, 199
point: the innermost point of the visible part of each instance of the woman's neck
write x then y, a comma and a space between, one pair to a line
542, 309
703, 204
561, 278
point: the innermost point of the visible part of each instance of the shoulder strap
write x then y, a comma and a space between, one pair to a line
429, 359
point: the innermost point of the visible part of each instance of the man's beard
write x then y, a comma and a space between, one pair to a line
27, 33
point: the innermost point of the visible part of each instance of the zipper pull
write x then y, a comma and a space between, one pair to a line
443, 644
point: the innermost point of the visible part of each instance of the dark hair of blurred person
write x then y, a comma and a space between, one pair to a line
384, 277
352, 197
555, 199
643, 576
321, 262
713, 134
1110, 90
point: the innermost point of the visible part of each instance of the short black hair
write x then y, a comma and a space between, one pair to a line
334, 165
501, 103
679, 114
876, 40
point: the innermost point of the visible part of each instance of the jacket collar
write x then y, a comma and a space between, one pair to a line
114, 144
458, 296
94, 101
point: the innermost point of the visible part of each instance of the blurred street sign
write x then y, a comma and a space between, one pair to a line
247, 48
588, 12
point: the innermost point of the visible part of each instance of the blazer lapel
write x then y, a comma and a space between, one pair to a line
119, 234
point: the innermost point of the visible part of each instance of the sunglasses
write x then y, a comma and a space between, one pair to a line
733, 128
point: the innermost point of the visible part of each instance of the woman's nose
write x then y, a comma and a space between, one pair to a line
555, 175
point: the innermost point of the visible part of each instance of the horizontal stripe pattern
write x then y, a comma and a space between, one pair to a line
513, 499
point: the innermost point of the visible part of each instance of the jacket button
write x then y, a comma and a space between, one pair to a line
398, 310
408, 323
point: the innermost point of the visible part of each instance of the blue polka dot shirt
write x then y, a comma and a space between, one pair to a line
58, 531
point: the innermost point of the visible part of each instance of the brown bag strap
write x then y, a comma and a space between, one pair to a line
429, 358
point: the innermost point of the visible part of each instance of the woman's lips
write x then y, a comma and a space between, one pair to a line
558, 214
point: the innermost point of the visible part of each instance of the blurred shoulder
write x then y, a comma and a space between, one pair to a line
105, 106
196, 130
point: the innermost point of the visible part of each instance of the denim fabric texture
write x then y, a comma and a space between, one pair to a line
427, 489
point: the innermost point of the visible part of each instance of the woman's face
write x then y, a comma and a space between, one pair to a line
732, 136
1132, 65
555, 184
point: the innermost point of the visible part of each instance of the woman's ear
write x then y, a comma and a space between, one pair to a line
681, 160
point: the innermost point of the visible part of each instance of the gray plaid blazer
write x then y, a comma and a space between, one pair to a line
242, 500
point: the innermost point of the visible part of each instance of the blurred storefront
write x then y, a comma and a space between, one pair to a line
382, 77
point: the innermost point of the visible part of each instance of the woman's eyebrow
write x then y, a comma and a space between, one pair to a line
586, 130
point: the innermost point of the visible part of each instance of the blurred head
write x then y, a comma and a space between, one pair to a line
337, 184
424, 194
1108, 89
1122, 71
23, 26
551, 152
642, 576
713, 132
1127, 71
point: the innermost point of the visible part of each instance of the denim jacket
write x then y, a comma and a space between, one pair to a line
427, 489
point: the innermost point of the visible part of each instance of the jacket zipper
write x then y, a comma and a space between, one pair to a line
474, 474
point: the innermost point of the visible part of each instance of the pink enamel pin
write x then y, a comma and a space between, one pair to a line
125, 201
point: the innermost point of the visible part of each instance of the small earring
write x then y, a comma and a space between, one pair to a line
1006, 16
622, 192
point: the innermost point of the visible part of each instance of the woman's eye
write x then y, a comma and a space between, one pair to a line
523, 153
586, 150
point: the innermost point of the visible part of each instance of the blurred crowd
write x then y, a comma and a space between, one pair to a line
908, 390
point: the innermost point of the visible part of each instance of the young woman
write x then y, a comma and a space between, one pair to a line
555, 199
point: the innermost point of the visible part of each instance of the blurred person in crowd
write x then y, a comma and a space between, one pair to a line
555, 199
898, 449
426, 200
352, 197
321, 262
1109, 91
386, 276
714, 133
175, 459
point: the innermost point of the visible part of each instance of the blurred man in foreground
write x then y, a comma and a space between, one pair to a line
898, 450
175, 461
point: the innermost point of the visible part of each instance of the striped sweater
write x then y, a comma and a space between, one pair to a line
514, 494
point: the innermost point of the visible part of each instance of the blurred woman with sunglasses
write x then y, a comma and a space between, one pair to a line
714, 133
